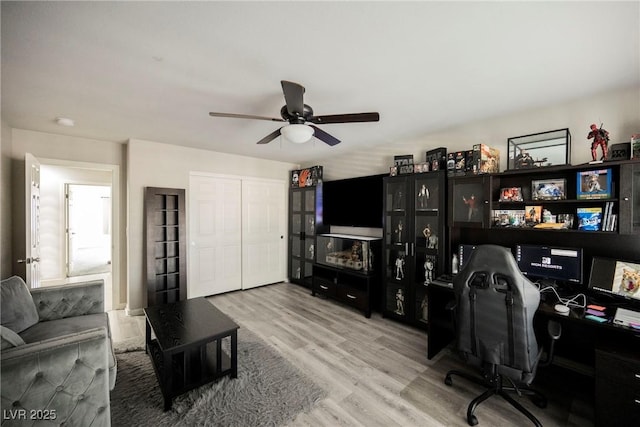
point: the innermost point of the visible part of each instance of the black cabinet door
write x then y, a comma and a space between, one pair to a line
630, 198
304, 222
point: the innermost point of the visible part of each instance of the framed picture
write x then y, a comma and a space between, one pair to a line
533, 214
539, 150
593, 184
549, 189
511, 194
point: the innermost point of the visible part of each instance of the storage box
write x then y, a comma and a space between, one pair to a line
437, 158
460, 163
404, 164
469, 163
308, 177
486, 159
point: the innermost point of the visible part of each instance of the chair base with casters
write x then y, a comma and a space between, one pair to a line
495, 386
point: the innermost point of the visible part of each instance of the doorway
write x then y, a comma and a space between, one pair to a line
56, 177
88, 214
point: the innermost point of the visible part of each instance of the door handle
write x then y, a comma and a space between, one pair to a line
24, 261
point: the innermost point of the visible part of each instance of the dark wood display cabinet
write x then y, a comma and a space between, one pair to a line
595, 207
305, 219
347, 269
165, 248
415, 244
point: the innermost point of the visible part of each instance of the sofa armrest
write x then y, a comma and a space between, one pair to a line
65, 378
78, 299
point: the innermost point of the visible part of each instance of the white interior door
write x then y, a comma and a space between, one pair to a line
263, 230
32, 221
215, 264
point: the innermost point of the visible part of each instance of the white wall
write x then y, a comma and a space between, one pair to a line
153, 164
619, 110
6, 200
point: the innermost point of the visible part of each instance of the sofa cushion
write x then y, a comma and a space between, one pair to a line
60, 327
9, 338
18, 311
73, 325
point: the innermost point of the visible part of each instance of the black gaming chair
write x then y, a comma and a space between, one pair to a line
494, 310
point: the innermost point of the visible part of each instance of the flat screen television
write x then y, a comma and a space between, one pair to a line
550, 263
616, 278
354, 202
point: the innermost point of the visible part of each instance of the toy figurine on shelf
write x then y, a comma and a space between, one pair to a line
600, 139
400, 302
431, 239
398, 232
429, 266
472, 204
423, 197
400, 267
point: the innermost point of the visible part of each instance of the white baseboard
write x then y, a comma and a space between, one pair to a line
134, 312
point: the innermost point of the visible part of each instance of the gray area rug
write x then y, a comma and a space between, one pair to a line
269, 391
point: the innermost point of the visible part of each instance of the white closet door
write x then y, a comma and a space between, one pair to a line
263, 232
215, 235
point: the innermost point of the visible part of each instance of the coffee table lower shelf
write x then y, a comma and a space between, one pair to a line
189, 369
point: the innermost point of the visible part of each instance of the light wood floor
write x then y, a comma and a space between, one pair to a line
375, 370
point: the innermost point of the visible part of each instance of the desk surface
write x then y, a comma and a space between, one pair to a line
579, 339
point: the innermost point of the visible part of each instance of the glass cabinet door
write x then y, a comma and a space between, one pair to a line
310, 200
470, 201
397, 242
630, 199
425, 240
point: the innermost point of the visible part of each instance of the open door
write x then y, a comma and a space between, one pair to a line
32, 221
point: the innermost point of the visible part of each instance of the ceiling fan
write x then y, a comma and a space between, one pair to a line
297, 113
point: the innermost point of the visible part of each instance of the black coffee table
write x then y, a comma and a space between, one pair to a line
186, 345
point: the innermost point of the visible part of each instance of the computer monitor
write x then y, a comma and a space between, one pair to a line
615, 277
550, 263
464, 253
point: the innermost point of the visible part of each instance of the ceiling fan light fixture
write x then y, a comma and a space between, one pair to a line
297, 133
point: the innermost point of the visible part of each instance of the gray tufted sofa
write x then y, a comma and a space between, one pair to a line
58, 364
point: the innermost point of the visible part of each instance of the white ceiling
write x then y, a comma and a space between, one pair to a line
154, 70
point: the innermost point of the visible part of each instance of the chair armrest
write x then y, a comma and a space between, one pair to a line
65, 379
78, 299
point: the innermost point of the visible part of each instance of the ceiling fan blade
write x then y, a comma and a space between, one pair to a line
293, 96
273, 135
246, 116
324, 136
345, 118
